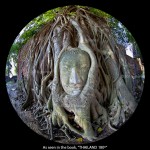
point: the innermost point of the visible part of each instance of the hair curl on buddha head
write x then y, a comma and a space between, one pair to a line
73, 51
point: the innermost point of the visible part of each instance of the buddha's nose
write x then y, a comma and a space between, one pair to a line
74, 77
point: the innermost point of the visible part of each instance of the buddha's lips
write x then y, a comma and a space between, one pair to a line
76, 86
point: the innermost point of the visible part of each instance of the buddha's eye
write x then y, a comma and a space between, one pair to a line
83, 68
66, 68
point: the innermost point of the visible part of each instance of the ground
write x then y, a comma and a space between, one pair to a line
28, 118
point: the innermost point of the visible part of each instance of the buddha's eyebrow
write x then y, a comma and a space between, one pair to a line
83, 65
66, 62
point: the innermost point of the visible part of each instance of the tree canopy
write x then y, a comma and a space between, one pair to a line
122, 35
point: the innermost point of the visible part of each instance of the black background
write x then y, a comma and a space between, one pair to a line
15, 15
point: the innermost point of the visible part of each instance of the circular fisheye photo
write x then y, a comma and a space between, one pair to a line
74, 75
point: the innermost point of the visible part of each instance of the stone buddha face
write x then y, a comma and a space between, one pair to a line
74, 68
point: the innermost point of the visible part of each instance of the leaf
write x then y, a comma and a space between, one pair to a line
99, 129
80, 140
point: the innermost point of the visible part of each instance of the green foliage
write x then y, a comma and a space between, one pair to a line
79, 140
7, 71
30, 29
15, 47
99, 129
119, 31
98, 12
121, 34
33, 27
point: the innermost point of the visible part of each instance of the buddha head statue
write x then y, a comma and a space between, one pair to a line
74, 67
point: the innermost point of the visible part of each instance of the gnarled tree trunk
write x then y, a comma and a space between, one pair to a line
106, 99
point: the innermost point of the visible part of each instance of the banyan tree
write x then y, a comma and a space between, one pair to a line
74, 77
